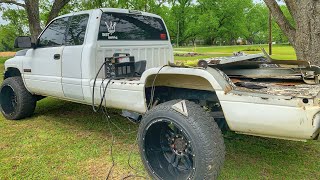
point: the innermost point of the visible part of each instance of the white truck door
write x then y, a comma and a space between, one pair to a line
72, 57
42, 73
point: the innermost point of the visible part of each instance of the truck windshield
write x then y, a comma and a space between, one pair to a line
120, 26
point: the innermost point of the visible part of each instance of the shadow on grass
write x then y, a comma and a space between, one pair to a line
82, 116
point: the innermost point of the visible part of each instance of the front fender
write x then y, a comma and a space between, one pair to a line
15, 62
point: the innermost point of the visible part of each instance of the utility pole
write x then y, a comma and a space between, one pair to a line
178, 35
270, 33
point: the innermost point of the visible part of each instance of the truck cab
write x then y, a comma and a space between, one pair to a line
71, 48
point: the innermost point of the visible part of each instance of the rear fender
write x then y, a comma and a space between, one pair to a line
191, 78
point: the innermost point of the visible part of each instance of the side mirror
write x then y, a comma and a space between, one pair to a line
23, 42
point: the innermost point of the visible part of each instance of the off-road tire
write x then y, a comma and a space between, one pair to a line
25, 102
203, 132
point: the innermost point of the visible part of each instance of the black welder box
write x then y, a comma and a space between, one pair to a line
120, 66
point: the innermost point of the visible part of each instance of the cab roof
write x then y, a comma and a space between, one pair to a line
115, 10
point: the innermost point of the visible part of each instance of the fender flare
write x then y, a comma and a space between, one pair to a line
11, 72
217, 79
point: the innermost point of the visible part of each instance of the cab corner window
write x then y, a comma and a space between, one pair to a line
54, 35
77, 30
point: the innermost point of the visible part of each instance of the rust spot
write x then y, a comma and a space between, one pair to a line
289, 83
235, 80
215, 62
227, 89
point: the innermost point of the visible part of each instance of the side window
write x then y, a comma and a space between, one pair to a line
77, 30
54, 35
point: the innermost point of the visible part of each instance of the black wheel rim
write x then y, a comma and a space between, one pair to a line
8, 100
168, 151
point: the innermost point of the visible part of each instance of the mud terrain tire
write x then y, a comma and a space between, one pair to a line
15, 100
174, 145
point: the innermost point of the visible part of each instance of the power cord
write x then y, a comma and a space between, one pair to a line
111, 148
105, 89
153, 88
110, 122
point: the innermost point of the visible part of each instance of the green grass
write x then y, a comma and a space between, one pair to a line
65, 140
2, 60
282, 52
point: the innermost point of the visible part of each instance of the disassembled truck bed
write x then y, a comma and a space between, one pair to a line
260, 84
262, 74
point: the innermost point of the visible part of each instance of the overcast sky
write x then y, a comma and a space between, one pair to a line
1, 20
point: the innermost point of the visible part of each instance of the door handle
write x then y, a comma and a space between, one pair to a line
56, 56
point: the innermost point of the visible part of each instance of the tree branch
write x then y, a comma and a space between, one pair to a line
281, 20
56, 7
12, 2
292, 6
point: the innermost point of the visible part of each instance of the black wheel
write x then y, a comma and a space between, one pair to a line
15, 100
181, 145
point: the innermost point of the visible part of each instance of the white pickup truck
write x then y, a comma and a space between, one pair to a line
124, 59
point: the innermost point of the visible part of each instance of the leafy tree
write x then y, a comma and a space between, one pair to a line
8, 34
180, 14
223, 20
32, 9
215, 21
17, 19
193, 30
256, 24
17, 25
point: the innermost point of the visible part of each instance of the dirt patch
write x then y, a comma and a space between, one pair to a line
4, 146
190, 54
215, 53
99, 169
7, 54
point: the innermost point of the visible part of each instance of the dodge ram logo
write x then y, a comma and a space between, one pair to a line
111, 27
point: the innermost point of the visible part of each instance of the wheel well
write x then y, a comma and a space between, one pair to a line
207, 99
12, 72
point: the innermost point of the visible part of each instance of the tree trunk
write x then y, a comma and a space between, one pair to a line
32, 9
58, 5
307, 37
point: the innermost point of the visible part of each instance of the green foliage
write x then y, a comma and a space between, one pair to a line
212, 22
17, 19
8, 35
223, 20
17, 25
277, 33
256, 19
